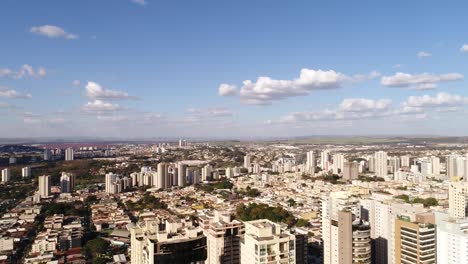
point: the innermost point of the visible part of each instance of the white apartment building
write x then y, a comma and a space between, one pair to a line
381, 164
44, 186
458, 199
69, 154
26, 172
452, 239
6, 175
338, 163
311, 162
265, 242
223, 237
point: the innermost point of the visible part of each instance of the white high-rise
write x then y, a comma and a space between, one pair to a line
26, 172
325, 160
6, 175
435, 165
451, 165
266, 242
247, 161
181, 174
44, 186
311, 162
458, 199
69, 154
381, 164
405, 161
161, 182
338, 163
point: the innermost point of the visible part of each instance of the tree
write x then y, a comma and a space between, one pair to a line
96, 248
291, 202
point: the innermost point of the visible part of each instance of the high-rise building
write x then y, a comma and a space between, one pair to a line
311, 162
371, 163
451, 165
224, 235
182, 174
435, 165
12, 160
452, 239
47, 154
395, 163
26, 172
69, 154
350, 171
161, 182
44, 186
381, 164
415, 240
206, 172
6, 175
338, 163
247, 161
405, 161
382, 211
265, 242
67, 182
167, 241
458, 199
325, 160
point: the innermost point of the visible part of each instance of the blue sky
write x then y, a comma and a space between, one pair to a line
150, 68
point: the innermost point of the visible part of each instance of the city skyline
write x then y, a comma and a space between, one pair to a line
136, 68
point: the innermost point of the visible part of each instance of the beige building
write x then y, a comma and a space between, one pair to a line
350, 171
415, 242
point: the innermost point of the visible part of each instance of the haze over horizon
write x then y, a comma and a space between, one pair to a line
241, 69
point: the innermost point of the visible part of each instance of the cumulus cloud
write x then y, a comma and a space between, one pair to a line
352, 109
441, 100
96, 91
10, 93
422, 81
423, 54
464, 48
362, 104
227, 90
100, 106
140, 2
25, 71
51, 31
266, 90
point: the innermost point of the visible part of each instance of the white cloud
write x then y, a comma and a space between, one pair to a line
112, 118
422, 81
210, 112
10, 93
140, 2
227, 90
362, 104
423, 54
266, 90
441, 100
25, 71
100, 106
96, 91
76, 83
44, 121
464, 48
352, 109
52, 32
